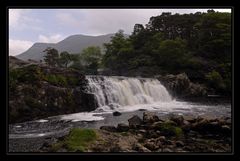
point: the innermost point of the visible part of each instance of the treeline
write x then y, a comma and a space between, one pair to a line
198, 44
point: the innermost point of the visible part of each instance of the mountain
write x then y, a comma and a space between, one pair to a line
72, 44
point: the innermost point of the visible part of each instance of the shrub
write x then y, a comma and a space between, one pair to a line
56, 79
215, 80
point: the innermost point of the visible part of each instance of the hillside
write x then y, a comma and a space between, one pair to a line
72, 44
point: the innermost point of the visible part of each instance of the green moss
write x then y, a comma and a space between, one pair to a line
171, 130
77, 140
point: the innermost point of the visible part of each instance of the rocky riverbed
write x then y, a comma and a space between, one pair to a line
153, 134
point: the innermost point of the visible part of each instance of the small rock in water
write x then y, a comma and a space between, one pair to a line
116, 113
142, 110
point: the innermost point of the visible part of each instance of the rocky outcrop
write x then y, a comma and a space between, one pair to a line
204, 134
37, 91
181, 87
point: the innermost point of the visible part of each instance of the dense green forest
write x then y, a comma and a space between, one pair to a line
198, 44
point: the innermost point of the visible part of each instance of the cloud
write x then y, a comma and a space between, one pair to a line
18, 46
20, 19
50, 39
68, 19
104, 21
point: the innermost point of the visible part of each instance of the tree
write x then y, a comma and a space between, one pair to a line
51, 57
118, 52
90, 59
65, 59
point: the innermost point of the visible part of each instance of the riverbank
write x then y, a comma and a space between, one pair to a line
166, 133
151, 134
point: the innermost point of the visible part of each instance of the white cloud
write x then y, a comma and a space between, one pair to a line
68, 19
104, 21
20, 19
50, 39
18, 46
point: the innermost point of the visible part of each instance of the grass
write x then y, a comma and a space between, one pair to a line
77, 140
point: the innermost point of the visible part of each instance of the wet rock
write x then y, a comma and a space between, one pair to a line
116, 113
149, 117
122, 127
134, 121
109, 128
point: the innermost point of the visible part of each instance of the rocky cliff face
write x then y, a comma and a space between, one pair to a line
37, 91
181, 87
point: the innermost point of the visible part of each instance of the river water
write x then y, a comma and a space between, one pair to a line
130, 96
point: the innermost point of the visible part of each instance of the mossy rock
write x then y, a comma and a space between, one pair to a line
77, 140
169, 129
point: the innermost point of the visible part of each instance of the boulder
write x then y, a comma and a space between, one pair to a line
116, 113
180, 86
122, 127
177, 119
140, 148
149, 117
179, 143
135, 121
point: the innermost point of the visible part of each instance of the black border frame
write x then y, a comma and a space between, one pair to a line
119, 5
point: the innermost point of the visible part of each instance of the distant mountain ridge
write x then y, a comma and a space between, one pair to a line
72, 44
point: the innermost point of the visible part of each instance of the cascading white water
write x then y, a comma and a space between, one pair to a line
124, 91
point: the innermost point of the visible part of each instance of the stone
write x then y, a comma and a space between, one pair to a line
116, 113
177, 119
162, 138
156, 125
151, 146
134, 121
149, 117
142, 131
140, 148
109, 128
179, 143
122, 127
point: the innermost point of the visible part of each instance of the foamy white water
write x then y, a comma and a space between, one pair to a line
124, 91
126, 94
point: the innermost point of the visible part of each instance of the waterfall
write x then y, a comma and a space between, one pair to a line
124, 91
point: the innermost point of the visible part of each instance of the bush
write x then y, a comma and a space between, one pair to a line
56, 79
215, 80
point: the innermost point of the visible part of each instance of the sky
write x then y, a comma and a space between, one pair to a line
28, 26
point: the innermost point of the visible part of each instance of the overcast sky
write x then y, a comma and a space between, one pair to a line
27, 26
